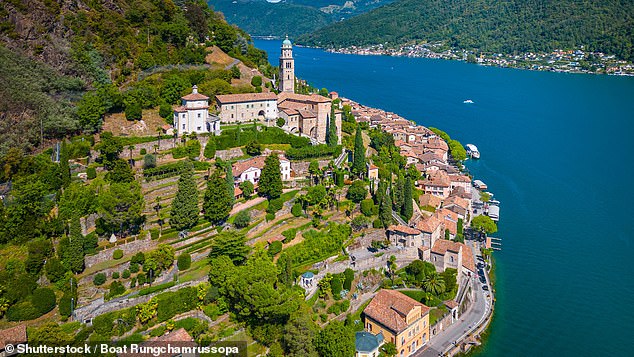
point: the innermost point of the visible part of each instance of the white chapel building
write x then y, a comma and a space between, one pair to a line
193, 115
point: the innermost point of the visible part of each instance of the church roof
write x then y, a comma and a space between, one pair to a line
195, 96
245, 97
287, 42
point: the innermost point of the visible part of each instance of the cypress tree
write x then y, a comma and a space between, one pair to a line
229, 179
270, 185
331, 133
217, 203
358, 162
74, 254
408, 207
385, 210
184, 212
398, 193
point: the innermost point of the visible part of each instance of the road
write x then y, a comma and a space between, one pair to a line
469, 320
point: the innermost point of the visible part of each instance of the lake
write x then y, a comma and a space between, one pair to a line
557, 152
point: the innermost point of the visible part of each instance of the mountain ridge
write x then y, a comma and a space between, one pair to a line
490, 25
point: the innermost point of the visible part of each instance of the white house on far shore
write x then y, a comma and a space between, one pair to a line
193, 115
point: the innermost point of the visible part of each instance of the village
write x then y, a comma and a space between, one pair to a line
367, 216
577, 60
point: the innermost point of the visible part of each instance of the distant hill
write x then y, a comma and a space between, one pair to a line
290, 17
491, 25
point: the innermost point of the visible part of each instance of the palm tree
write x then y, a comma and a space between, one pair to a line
434, 283
131, 147
391, 266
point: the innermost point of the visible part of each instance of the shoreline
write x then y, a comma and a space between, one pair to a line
475, 336
558, 61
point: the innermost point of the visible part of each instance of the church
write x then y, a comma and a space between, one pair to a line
305, 115
193, 115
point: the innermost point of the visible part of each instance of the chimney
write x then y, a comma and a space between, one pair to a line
195, 89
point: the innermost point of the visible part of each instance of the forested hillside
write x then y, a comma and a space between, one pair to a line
491, 25
56, 54
293, 17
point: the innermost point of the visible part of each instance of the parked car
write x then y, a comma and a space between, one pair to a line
485, 288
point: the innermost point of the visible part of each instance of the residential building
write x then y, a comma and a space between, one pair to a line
437, 184
431, 229
448, 254
179, 337
404, 236
449, 219
367, 344
459, 206
192, 116
401, 320
251, 169
245, 107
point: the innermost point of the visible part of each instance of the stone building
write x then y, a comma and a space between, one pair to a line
308, 115
192, 116
246, 107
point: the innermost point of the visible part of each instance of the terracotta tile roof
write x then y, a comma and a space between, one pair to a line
12, 335
429, 200
442, 246
313, 98
390, 308
446, 215
180, 109
237, 191
457, 201
451, 304
244, 97
241, 166
307, 114
459, 191
179, 335
195, 96
428, 225
403, 229
467, 258
459, 178
289, 111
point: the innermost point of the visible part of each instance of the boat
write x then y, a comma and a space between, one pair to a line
468, 101
480, 185
472, 151
494, 213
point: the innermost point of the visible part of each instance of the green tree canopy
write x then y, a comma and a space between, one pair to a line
335, 340
270, 184
358, 162
184, 212
217, 202
484, 223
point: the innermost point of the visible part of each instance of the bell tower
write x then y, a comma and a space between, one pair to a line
287, 67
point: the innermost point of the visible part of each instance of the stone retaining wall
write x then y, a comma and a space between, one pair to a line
127, 248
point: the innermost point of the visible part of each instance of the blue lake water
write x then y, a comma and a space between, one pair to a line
557, 152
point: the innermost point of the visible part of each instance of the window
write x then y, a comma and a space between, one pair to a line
183, 126
231, 116
199, 115
232, 107
183, 115
198, 128
369, 326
